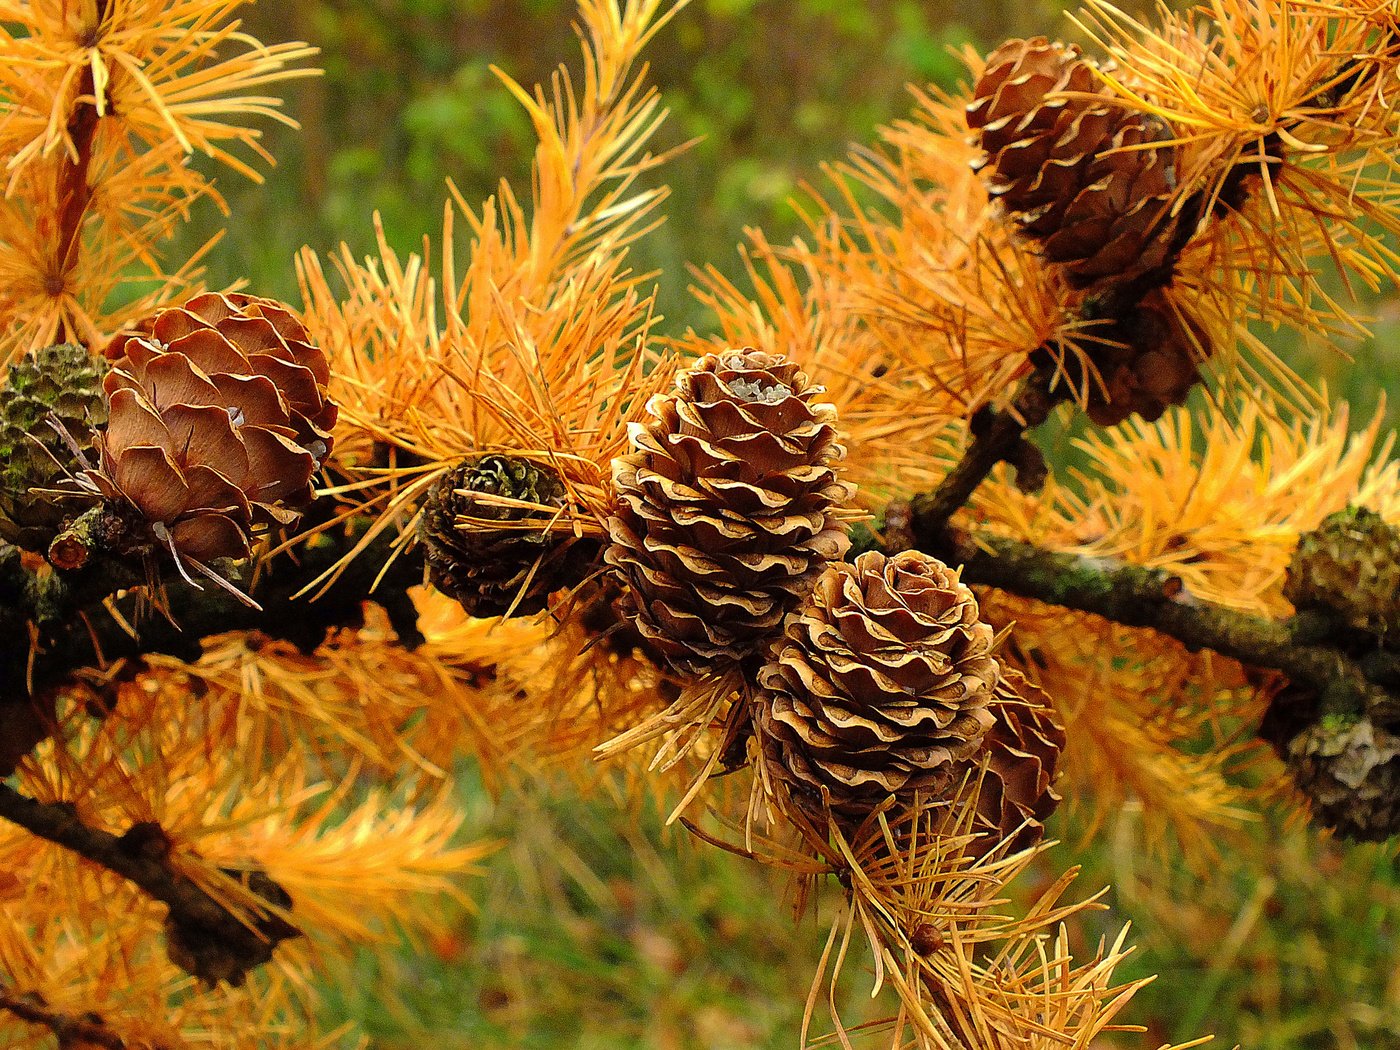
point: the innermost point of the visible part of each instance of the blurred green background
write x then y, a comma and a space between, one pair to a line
595, 927
771, 89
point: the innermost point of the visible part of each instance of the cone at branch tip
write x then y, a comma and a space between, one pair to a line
1022, 754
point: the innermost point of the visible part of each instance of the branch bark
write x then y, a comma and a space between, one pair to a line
202, 936
53, 625
997, 436
1303, 647
76, 631
74, 192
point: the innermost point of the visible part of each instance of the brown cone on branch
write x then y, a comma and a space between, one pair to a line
1349, 768
493, 537
1022, 751
1146, 361
728, 509
218, 417
879, 686
1091, 180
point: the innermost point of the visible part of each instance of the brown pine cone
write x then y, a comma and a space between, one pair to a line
728, 509
1022, 751
879, 686
1147, 361
510, 568
1074, 166
1349, 768
218, 417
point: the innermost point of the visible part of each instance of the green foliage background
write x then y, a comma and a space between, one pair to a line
596, 928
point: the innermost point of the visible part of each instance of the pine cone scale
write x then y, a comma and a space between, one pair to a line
164, 491
201, 345
286, 464
167, 328
174, 380
203, 433
134, 421
209, 535
254, 335
209, 488
260, 403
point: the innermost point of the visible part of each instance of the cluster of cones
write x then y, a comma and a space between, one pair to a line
868, 679
723, 552
203, 428
864, 680
1093, 184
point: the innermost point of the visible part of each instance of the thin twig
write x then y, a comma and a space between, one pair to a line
84, 1030
74, 191
998, 434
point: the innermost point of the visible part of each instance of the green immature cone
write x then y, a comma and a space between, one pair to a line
497, 557
48, 392
1350, 564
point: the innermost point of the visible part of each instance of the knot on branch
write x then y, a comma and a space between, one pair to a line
227, 948
204, 936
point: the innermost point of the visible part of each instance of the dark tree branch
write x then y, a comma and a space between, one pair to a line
54, 625
75, 631
203, 937
1304, 647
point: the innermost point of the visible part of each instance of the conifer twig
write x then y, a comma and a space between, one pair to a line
79, 633
997, 435
74, 188
87, 1030
197, 926
1141, 597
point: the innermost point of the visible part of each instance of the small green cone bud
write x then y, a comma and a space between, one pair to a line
56, 386
1349, 564
1350, 769
511, 569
